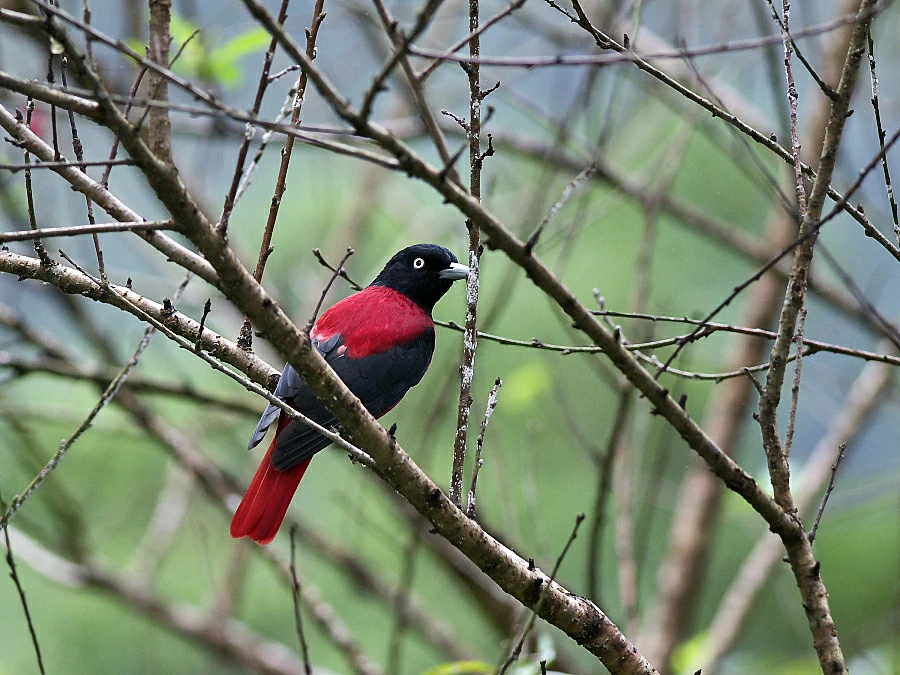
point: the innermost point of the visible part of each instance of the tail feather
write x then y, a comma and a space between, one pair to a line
267, 499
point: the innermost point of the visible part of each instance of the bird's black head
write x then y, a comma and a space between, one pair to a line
423, 273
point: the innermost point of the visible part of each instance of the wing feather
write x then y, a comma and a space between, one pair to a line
290, 386
379, 381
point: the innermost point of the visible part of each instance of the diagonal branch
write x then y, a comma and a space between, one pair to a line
73, 282
106, 199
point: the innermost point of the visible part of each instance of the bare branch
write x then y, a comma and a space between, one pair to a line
870, 43
74, 282
264, 82
106, 200
491, 404
108, 394
295, 594
862, 399
53, 165
517, 649
626, 55
834, 469
470, 339
14, 575
50, 232
245, 338
335, 275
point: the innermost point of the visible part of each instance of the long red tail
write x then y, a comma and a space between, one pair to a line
267, 499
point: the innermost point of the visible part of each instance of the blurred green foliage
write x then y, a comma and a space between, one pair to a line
200, 58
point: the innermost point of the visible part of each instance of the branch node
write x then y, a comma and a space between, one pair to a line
245, 336
487, 92
207, 307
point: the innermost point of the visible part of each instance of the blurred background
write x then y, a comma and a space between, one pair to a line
124, 552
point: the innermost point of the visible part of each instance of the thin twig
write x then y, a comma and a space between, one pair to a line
502, 14
53, 123
29, 192
517, 650
207, 308
108, 201
491, 404
888, 328
400, 42
245, 337
785, 25
295, 595
642, 61
55, 165
864, 14
708, 329
881, 135
114, 150
14, 575
285, 111
795, 387
340, 271
263, 83
49, 232
335, 274
567, 192
804, 241
826, 88
834, 469
77, 148
309, 134
88, 44
717, 230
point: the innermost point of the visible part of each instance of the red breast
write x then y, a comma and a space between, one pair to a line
373, 321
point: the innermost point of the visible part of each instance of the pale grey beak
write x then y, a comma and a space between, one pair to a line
454, 272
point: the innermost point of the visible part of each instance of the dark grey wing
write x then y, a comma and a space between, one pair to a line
290, 386
379, 381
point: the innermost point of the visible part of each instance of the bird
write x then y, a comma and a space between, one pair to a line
379, 341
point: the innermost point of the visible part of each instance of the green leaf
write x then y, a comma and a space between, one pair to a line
461, 668
250, 41
545, 649
135, 45
525, 385
181, 29
690, 653
219, 64
222, 62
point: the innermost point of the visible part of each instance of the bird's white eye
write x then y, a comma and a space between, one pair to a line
419, 263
